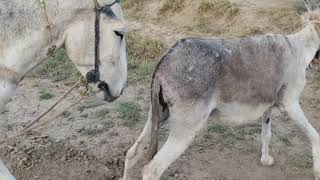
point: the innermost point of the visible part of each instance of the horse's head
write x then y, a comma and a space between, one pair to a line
97, 46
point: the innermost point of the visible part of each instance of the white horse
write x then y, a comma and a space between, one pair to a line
91, 31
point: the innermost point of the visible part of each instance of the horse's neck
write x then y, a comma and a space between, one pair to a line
68, 11
26, 42
306, 43
24, 53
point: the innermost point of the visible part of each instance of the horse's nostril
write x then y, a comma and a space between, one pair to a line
100, 86
103, 86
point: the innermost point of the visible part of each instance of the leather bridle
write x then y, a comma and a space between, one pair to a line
94, 75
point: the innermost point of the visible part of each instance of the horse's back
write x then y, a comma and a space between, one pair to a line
238, 70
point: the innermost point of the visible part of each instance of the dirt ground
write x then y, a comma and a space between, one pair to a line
90, 140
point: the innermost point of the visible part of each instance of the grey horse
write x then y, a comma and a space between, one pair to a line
240, 78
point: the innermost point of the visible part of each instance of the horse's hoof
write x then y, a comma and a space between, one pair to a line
267, 160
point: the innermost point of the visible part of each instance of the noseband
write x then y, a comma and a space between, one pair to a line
94, 75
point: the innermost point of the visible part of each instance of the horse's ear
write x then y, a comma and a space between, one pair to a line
311, 5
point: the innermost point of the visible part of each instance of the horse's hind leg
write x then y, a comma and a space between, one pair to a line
184, 123
135, 153
266, 159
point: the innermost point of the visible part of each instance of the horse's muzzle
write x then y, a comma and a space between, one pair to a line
107, 95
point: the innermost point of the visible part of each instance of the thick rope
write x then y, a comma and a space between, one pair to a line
31, 126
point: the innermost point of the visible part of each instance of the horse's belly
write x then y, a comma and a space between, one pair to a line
237, 114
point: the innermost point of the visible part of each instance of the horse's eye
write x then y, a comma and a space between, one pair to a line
120, 34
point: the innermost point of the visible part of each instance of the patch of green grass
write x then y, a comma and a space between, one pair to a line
219, 131
249, 129
102, 114
217, 128
285, 141
141, 72
130, 112
301, 161
250, 147
173, 6
317, 78
45, 94
241, 137
57, 68
143, 55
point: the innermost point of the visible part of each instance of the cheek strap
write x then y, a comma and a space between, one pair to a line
94, 75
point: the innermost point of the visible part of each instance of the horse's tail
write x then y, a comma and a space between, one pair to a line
155, 119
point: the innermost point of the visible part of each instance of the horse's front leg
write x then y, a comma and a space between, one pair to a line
7, 90
295, 113
4, 173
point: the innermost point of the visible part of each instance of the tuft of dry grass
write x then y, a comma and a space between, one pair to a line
243, 137
133, 4
213, 16
286, 19
102, 114
218, 8
244, 31
143, 55
172, 6
143, 48
134, 7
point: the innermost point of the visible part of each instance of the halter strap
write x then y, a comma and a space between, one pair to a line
52, 49
314, 23
94, 75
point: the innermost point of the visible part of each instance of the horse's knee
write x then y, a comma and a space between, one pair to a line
132, 152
